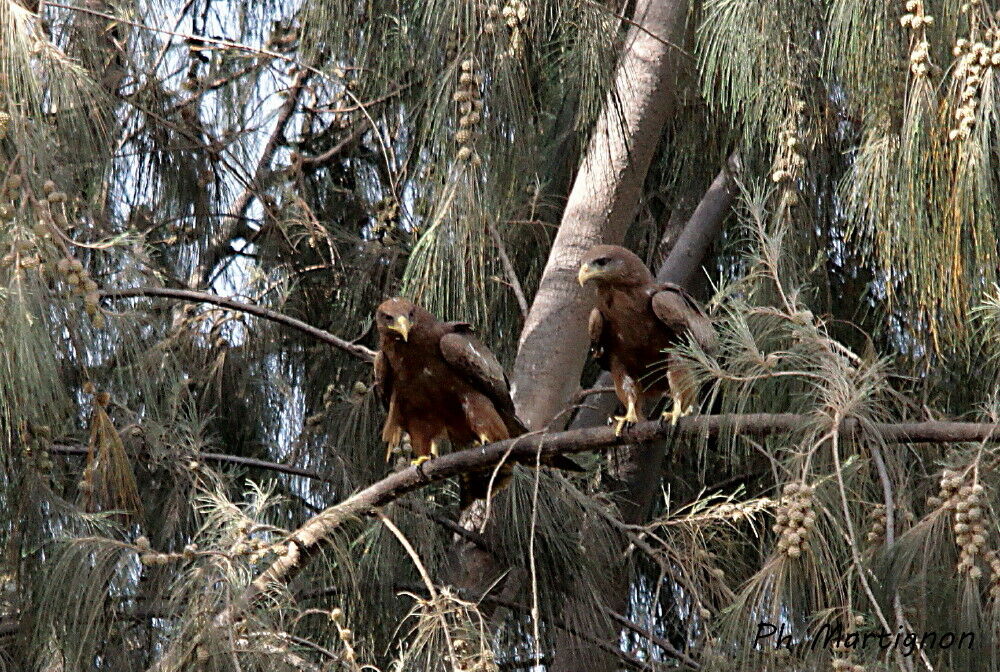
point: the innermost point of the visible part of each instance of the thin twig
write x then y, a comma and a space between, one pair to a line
424, 575
359, 351
851, 537
654, 638
255, 187
508, 268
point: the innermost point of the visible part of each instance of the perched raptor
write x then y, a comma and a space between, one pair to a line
636, 320
438, 381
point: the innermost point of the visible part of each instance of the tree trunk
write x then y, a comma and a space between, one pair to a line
638, 468
601, 205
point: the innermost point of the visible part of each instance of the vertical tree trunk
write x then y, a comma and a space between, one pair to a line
638, 469
601, 205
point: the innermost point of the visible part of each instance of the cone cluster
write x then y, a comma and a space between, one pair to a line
964, 500
515, 15
993, 559
75, 275
975, 59
876, 534
915, 18
467, 659
795, 519
790, 153
35, 447
470, 106
346, 635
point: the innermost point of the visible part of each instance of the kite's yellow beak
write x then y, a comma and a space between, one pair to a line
586, 273
401, 326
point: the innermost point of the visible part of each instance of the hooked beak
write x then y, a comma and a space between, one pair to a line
401, 326
586, 273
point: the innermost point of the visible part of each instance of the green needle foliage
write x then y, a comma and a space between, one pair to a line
316, 157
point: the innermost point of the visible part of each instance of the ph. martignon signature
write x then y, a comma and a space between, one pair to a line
828, 636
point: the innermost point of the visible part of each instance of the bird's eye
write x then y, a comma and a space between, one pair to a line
411, 312
603, 261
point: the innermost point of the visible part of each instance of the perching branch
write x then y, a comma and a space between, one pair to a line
359, 351
307, 541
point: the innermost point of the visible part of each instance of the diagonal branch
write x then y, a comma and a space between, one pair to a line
359, 351
254, 189
689, 250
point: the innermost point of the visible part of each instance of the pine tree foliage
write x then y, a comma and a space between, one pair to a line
316, 157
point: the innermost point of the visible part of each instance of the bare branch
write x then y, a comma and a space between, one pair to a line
221, 241
67, 449
359, 351
509, 270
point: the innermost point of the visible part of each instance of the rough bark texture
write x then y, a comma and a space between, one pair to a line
601, 205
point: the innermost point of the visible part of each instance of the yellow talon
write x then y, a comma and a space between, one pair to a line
620, 422
630, 417
677, 411
417, 461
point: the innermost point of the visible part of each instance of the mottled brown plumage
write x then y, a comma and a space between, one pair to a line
438, 381
635, 321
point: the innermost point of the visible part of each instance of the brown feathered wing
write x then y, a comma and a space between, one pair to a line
470, 358
682, 314
479, 366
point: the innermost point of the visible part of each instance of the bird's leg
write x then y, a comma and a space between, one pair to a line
683, 392
630, 418
394, 442
678, 409
432, 452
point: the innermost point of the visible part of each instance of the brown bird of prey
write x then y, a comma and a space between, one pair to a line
438, 381
635, 321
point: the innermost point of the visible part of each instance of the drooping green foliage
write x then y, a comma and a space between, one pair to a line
315, 158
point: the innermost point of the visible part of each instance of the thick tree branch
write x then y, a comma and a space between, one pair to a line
443, 521
306, 542
601, 205
703, 228
359, 351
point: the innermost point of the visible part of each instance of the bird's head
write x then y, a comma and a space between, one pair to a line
395, 317
611, 265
